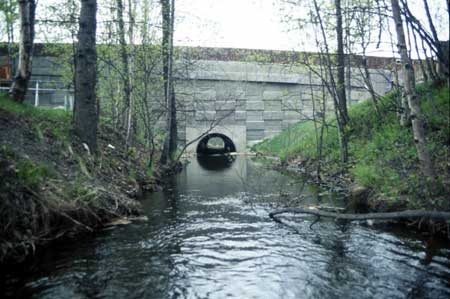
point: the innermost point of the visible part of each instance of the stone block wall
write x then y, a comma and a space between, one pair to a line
265, 98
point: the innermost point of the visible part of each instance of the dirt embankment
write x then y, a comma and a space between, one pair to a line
363, 200
51, 186
360, 198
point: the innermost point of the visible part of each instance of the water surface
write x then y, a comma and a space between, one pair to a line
209, 236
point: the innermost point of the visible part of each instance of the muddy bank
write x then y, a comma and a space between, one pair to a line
52, 187
359, 199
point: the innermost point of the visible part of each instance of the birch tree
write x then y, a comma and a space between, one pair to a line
416, 115
340, 84
337, 92
27, 13
125, 68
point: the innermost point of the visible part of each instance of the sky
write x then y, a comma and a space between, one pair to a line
232, 23
256, 24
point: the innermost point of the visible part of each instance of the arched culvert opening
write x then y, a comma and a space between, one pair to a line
215, 144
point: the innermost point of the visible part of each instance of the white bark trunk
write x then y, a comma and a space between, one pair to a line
416, 114
27, 10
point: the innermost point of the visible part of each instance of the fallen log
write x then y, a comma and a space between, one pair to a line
352, 217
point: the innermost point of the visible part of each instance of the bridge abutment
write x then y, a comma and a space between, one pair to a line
249, 100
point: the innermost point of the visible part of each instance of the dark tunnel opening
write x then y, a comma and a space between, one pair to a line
215, 144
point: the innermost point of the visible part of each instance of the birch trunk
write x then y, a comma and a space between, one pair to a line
340, 87
125, 69
411, 96
332, 88
27, 11
132, 123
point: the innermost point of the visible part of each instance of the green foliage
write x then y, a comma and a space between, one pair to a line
368, 175
44, 120
65, 54
9, 10
29, 173
382, 153
81, 192
301, 139
150, 170
436, 105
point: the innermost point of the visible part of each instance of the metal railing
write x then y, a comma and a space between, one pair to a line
38, 90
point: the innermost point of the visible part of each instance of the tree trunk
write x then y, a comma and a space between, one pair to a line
340, 88
125, 69
86, 109
170, 142
443, 57
411, 96
132, 123
332, 88
27, 11
173, 144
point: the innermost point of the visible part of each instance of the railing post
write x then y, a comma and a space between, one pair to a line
36, 94
71, 102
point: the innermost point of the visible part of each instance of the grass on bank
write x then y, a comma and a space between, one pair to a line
55, 120
50, 186
382, 153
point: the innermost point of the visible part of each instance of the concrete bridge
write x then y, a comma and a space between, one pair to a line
250, 101
228, 93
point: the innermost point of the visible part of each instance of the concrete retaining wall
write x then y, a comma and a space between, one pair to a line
263, 98
251, 101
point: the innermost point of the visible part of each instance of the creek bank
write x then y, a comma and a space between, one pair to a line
52, 187
362, 203
382, 173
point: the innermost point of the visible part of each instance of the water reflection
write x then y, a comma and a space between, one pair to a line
208, 236
216, 162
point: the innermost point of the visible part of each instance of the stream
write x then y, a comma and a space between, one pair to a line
209, 236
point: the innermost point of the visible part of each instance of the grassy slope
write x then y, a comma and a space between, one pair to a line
50, 186
382, 154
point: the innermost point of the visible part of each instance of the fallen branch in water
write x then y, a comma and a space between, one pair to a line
353, 217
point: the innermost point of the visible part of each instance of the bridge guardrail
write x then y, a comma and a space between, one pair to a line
36, 91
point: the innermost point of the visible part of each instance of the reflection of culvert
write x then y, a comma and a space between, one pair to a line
215, 162
215, 144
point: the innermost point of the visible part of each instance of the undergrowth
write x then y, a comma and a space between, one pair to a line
382, 154
43, 120
51, 186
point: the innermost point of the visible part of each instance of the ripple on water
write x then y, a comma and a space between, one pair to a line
208, 241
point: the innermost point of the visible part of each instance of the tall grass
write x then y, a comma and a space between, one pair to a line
382, 153
56, 121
